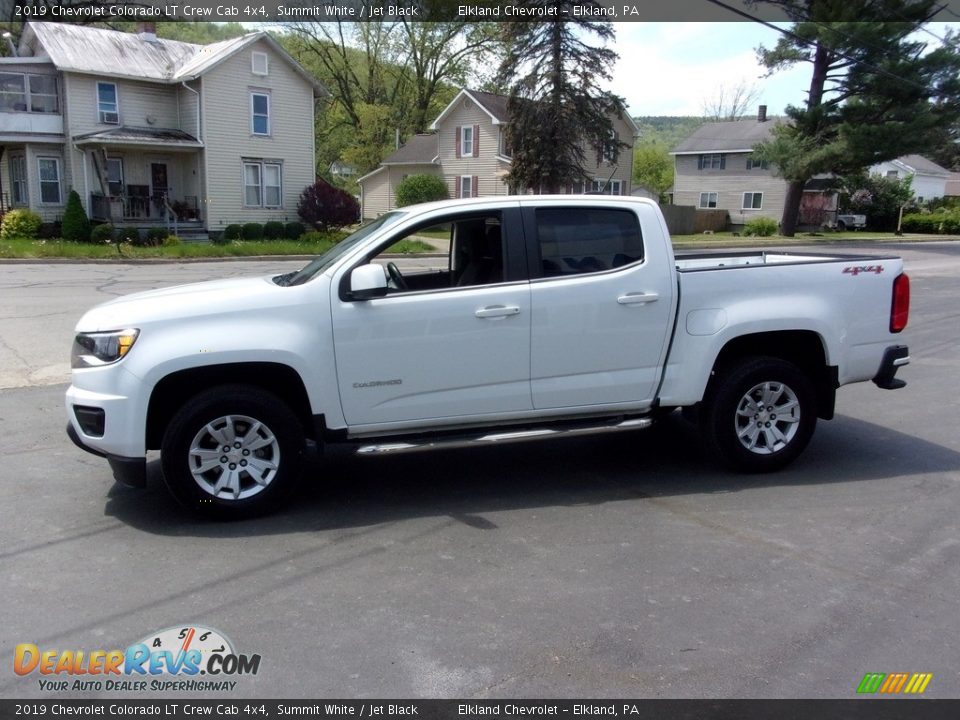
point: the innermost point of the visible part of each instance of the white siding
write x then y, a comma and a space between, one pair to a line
380, 190
52, 212
228, 140
141, 104
189, 110
486, 167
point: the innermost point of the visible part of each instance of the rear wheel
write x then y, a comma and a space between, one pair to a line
760, 415
233, 451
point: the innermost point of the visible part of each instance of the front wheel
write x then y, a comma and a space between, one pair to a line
233, 450
760, 415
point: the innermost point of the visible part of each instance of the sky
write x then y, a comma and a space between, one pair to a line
672, 68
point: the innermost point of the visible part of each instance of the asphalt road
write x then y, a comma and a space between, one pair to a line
617, 566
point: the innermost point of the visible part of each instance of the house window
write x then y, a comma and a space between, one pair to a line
607, 187
708, 200
262, 184
893, 174
757, 164
752, 201
466, 186
712, 161
115, 176
466, 142
18, 179
259, 64
259, 113
49, 181
610, 150
28, 93
107, 104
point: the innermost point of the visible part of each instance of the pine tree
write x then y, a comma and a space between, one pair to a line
75, 225
875, 92
557, 109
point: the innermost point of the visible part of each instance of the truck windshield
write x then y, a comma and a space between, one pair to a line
322, 262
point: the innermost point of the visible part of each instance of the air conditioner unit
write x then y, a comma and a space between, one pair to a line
110, 118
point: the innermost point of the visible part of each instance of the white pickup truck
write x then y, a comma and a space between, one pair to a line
546, 315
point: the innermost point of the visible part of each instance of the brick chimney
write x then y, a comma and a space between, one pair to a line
147, 31
762, 113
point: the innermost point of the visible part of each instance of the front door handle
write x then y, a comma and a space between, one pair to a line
637, 298
497, 311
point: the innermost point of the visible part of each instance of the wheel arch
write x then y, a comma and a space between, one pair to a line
172, 391
803, 348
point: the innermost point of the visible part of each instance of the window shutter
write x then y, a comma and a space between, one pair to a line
723, 162
473, 187
456, 143
699, 162
476, 141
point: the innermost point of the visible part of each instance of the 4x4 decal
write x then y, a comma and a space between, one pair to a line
876, 269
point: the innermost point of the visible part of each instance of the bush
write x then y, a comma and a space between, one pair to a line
322, 206
315, 236
273, 230
50, 230
761, 227
415, 189
20, 224
127, 235
944, 222
154, 237
221, 238
75, 226
102, 233
232, 232
172, 241
293, 230
877, 197
251, 231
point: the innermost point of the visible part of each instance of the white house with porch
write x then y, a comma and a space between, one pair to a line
151, 131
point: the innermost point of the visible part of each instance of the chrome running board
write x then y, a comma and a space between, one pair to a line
461, 441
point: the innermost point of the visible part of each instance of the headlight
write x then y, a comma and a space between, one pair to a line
103, 348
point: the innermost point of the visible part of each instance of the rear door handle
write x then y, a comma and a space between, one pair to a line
497, 311
638, 298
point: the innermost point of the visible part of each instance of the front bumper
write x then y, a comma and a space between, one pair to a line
894, 358
129, 471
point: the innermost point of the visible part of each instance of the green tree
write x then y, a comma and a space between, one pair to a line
415, 189
653, 167
75, 225
876, 92
879, 198
556, 106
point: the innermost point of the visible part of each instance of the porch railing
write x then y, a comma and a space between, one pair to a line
114, 208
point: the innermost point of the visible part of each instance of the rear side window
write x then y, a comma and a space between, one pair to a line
574, 241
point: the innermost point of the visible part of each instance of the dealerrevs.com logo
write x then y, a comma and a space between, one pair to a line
181, 658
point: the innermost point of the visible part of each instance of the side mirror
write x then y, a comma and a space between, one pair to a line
367, 282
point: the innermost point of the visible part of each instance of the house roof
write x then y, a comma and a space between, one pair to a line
419, 150
735, 135
127, 135
496, 107
96, 51
921, 165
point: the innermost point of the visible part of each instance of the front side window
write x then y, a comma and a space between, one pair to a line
49, 171
575, 241
708, 200
108, 105
13, 93
752, 201
259, 113
712, 161
18, 179
262, 184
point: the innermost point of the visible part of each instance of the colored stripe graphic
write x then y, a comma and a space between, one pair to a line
894, 683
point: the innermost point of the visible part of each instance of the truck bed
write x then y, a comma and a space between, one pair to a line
713, 261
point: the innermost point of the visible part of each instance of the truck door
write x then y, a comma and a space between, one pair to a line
602, 310
452, 341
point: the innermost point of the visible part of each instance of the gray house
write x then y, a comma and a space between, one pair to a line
146, 129
715, 168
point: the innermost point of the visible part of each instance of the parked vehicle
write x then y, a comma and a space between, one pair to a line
550, 315
849, 221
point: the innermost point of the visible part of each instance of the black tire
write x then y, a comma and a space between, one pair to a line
732, 419
229, 488
841, 226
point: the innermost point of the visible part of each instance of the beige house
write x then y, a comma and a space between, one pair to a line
151, 131
715, 169
467, 149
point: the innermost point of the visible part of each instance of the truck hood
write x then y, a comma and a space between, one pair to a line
185, 301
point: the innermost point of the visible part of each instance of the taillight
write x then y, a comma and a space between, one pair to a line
900, 308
